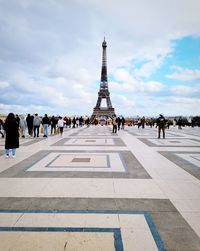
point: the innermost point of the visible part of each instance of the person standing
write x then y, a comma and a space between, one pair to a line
81, 121
179, 123
143, 122
114, 123
23, 126
123, 122
161, 125
45, 123
1, 128
12, 135
29, 121
74, 122
61, 124
119, 123
53, 122
17, 119
36, 125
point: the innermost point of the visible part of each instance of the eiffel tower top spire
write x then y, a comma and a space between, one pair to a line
104, 78
103, 93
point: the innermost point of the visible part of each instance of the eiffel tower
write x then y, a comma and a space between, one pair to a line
98, 111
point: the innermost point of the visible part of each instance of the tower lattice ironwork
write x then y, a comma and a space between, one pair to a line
103, 93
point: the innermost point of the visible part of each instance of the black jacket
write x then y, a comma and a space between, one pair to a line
12, 135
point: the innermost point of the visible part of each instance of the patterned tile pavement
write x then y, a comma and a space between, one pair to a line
92, 190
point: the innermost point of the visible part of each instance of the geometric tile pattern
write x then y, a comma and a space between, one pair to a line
171, 142
126, 216
124, 228
103, 164
90, 142
189, 161
92, 190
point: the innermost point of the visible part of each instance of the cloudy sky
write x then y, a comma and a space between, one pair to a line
51, 55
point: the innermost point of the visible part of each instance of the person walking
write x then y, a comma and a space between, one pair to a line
61, 124
29, 121
161, 125
1, 128
81, 121
53, 122
45, 123
119, 121
12, 135
36, 125
114, 123
123, 122
23, 126
74, 122
179, 123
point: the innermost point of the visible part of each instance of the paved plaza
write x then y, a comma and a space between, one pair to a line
92, 190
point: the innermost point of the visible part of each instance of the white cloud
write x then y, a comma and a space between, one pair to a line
184, 74
50, 54
128, 83
4, 84
185, 91
153, 86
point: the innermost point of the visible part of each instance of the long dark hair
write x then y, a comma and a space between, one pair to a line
10, 118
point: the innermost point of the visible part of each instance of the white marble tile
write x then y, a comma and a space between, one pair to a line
55, 241
187, 205
139, 188
138, 240
135, 221
21, 187
134, 228
8, 219
193, 219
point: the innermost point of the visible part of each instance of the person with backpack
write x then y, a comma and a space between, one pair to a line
161, 125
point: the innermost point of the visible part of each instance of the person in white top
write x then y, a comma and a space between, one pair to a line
61, 124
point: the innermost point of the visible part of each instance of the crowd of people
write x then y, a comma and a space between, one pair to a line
18, 126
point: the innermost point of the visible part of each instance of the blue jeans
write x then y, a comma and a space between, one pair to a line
13, 151
46, 130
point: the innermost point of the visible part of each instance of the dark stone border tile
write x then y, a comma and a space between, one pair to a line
174, 231
31, 142
117, 142
149, 143
134, 170
151, 134
182, 163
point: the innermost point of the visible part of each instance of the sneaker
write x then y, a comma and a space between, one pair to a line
7, 156
13, 156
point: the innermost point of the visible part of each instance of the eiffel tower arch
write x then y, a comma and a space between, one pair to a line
103, 94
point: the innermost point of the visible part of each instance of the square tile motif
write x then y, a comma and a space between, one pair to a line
81, 160
189, 161
81, 141
95, 162
171, 143
190, 157
78, 164
110, 230
89, 142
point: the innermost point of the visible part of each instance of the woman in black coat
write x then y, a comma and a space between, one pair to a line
12, 134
